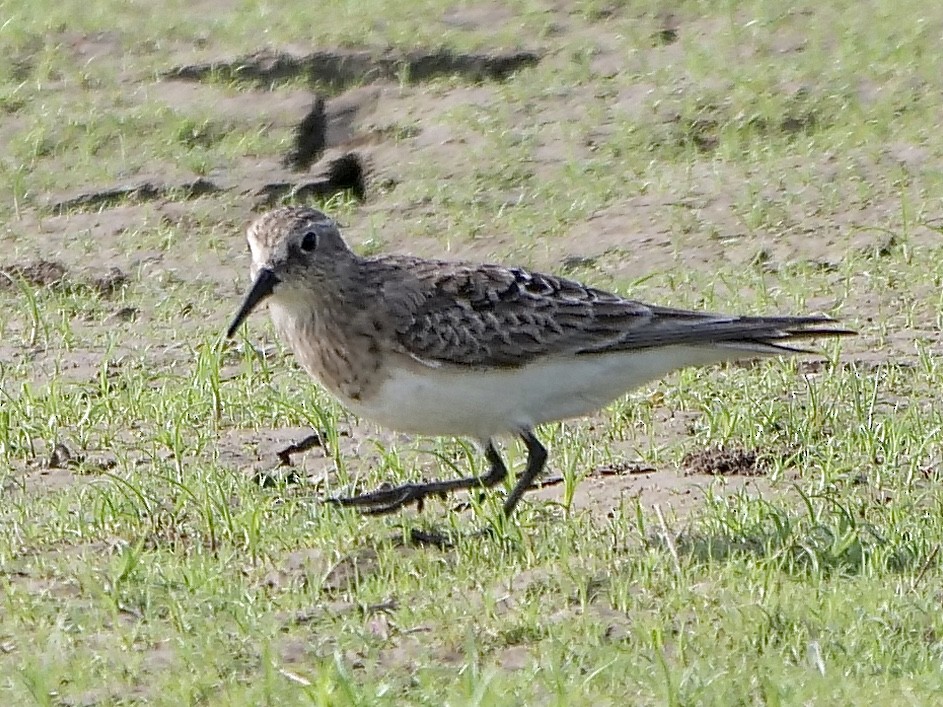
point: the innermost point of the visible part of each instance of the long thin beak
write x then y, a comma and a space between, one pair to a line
264, 283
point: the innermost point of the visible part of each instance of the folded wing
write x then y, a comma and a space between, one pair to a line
488, 315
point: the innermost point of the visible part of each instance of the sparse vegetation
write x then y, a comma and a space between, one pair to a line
733, 156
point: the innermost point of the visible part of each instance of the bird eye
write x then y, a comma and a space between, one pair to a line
309, 242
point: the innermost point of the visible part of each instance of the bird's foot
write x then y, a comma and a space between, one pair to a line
389, 499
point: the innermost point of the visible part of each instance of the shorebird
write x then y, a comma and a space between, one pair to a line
473, 350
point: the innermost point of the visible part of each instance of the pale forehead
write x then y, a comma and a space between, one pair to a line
271, 227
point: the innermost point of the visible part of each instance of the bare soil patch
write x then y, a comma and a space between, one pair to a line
52, 273
724, 461
39, 273
665, 488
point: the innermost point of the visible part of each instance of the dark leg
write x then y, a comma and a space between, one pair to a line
387, 500
536, 459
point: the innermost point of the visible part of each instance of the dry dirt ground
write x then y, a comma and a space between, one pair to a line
353, 124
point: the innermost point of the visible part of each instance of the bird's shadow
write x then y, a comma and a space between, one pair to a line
818, 551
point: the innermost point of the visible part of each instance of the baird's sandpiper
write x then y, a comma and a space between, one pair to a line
449, 348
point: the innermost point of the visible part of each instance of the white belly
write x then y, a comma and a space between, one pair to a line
484, 403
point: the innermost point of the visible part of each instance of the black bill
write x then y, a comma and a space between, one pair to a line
264, 283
